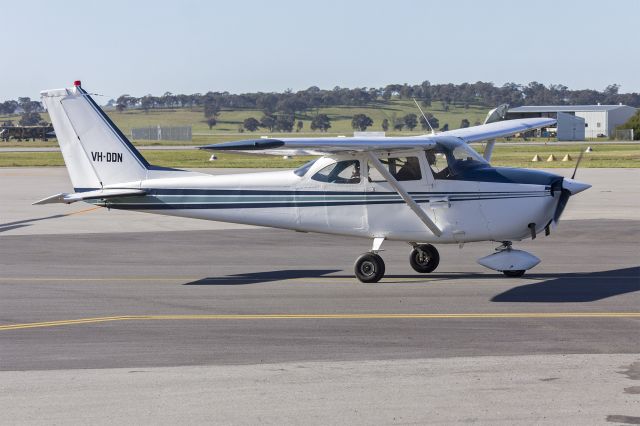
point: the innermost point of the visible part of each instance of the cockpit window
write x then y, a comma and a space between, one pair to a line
448, 162
465, 153
437, 160
347, 171
302, 170
401, 168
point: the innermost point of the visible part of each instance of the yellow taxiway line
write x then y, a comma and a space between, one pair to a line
237, 317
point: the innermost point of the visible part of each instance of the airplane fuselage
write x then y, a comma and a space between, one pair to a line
490, 204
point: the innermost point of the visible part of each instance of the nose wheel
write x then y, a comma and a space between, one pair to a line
369, 268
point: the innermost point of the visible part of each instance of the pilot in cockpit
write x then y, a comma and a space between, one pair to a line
355, 174
410, 170
432, 160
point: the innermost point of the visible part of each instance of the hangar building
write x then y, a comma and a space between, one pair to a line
577, 122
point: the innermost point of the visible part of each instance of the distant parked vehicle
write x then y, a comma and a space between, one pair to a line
20, 133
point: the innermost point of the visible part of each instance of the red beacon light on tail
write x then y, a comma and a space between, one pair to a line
77, 83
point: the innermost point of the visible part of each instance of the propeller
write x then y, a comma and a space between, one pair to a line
573, 176
568, 187
562, 203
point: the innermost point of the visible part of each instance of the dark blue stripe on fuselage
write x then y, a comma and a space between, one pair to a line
254, 192
264, 205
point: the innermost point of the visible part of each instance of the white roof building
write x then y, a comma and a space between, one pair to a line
599, 120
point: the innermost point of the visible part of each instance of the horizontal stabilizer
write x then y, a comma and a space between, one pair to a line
90, 195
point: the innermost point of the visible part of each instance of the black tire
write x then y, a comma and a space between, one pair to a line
424, 260
514, 274
369, 268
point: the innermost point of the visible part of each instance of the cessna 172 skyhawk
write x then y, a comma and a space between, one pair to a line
422, 190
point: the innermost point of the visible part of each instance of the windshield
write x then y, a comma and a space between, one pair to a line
448, 161
302, 170
464, 152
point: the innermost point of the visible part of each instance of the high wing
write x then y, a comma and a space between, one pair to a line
331, 145
320, 146
499, 129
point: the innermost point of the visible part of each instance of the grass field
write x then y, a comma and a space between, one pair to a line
228, 129
511, 156
615, 156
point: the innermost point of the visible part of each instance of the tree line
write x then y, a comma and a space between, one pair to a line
322, 122
281, 109
30, 111
461, 95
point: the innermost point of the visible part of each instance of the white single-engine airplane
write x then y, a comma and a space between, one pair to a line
421, 190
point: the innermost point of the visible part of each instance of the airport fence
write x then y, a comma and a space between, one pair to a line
624, 134
160, 133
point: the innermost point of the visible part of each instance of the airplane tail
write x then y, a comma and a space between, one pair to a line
95, 151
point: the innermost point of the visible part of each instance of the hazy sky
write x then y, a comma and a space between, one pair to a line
189, 46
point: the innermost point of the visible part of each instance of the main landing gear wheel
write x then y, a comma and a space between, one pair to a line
514, 274
424, 258
369, 268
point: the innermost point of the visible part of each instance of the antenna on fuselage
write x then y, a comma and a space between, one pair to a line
424, 116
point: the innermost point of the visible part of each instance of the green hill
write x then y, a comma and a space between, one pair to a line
230, 121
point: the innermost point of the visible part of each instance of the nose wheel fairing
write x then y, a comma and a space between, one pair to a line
511, 262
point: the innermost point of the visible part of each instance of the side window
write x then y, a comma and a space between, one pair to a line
341, 172
401, 168
438, 162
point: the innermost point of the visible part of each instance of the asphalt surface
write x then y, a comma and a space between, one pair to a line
533, 390
587, 267
233, 324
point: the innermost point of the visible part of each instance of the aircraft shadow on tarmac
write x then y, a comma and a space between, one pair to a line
573, 288
263, 277
4, 227
555, 288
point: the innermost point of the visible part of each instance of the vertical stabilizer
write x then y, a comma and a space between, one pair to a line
95, 151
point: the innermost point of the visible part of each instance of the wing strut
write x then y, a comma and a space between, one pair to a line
404, 194
488, 149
